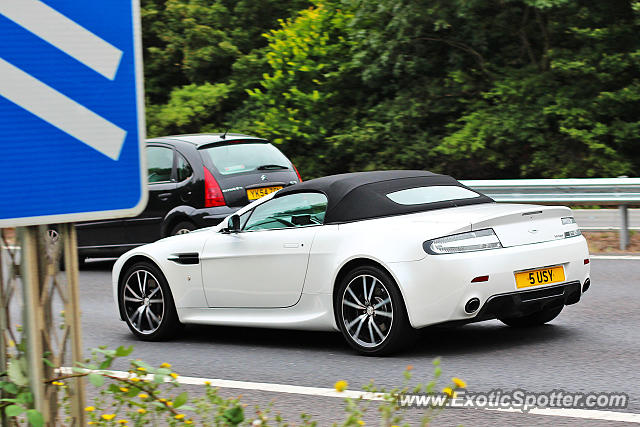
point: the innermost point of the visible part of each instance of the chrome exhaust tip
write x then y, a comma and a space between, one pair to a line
472, 306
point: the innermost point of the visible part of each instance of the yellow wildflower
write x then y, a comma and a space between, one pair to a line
449, 392
207, 383
459, 383
134, 379
340, 385
124, 389
58, 383
90, 408
162, 399
123, 422
179, 416
142, 411
140, 368
165, 365
173, 375
188, 422
361, 422
108, 417
143, 395
169, 403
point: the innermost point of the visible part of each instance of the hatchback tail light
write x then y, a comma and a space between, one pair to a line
297, 173
212, 193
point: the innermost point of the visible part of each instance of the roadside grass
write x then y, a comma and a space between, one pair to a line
608, 242
149, 395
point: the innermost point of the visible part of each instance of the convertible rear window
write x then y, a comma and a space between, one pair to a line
432, 194
230, 159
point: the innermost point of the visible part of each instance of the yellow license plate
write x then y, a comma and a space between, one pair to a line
256, 193
542, 276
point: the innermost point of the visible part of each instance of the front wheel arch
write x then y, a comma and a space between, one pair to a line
125, 267
164, 324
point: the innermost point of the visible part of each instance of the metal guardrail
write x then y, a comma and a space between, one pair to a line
610, 191
620, 191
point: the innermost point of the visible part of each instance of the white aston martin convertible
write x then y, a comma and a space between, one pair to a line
374, 255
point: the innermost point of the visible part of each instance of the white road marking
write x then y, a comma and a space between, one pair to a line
590, 414
65, 34
60, 111
247, 385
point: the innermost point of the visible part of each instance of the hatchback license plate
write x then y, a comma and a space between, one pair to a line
256, 193
542, 276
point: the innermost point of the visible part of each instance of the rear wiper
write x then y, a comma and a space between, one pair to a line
266, 167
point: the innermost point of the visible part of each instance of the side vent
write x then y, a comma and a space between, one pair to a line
186, 258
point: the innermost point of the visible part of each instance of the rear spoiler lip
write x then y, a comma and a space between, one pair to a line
233, 142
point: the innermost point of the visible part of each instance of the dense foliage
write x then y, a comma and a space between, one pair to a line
472, 88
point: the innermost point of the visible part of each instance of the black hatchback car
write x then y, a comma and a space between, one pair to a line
194, 181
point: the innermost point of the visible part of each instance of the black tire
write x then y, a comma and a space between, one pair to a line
535, 319
392, 329
182, 227
149, 319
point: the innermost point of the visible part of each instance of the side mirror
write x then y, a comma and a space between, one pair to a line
234, 224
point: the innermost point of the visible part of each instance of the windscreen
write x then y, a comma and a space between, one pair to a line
230, 159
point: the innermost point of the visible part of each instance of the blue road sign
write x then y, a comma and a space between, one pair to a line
71, 111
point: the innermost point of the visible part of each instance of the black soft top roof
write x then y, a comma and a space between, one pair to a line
363, 195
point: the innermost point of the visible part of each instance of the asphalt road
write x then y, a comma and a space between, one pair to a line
605, 218
593, 346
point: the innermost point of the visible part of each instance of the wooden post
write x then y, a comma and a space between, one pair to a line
72, 318
33, 316
41, 285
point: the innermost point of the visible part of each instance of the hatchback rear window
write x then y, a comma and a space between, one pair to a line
230, 159
437, 193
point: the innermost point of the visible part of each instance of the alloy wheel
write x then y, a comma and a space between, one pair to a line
143, 301
367, 311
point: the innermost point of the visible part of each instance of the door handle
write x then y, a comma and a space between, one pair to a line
291, 245
164, 196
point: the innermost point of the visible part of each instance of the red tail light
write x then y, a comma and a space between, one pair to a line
297, 173
212, 192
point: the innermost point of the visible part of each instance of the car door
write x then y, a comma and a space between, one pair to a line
265, 264
145, 228
100, 235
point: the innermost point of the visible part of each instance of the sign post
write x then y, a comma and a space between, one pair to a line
72, 126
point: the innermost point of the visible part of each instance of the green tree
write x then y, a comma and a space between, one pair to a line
473, 88
306, 91
190, 48
571, 111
